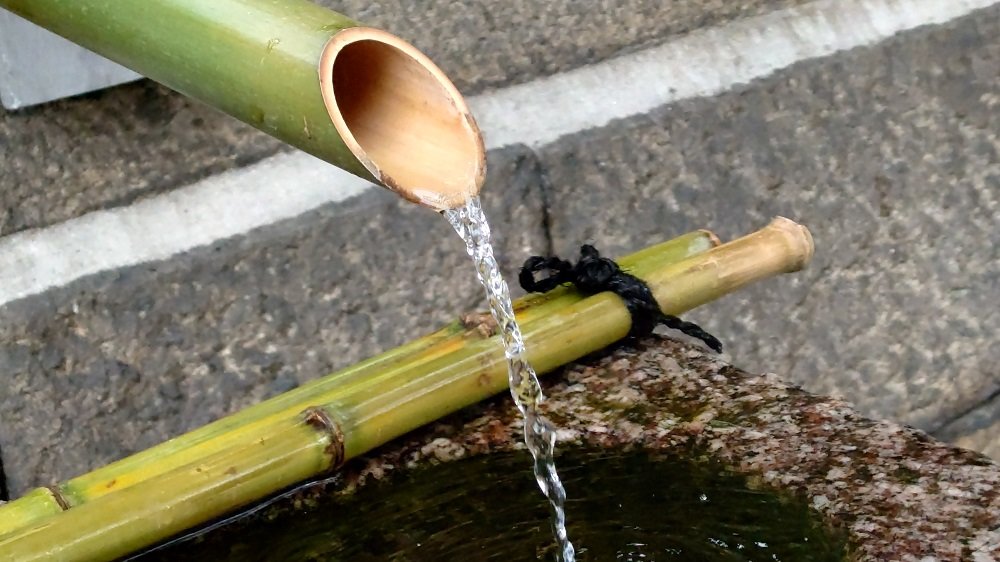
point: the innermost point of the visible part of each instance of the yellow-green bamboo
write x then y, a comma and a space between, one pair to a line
283, 449
638, 263
478, 371
211, 438
33, 506
287, 451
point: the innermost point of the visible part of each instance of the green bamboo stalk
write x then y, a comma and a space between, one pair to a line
288, 452
256, 60
380, 412
262, 61
33, 506
246, 424
355, 418
639, 263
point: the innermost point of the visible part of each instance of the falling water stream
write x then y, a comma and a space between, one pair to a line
539, 434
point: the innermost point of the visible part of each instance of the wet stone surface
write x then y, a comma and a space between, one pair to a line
898, 493
121, 361
890, 156
109, 148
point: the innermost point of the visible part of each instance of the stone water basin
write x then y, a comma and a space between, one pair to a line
668, 453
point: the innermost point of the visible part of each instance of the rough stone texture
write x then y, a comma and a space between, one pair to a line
898, 494
983, 439
100, 150
889, 154
118, 362
110, 148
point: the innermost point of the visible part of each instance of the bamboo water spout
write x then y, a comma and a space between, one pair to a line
357, 97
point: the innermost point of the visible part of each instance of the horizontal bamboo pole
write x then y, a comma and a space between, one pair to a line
359, 98
246, 424
362, 415
379, 413
33, 506
289, 451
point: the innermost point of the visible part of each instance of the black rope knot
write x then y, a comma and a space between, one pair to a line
594, 274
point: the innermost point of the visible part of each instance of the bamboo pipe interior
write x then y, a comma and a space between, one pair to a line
402, 118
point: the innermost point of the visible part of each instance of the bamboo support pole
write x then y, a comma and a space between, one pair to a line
357, 97
321, 427
245, 424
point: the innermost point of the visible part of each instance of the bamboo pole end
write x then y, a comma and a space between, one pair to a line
713, 239
402, 118
799, 241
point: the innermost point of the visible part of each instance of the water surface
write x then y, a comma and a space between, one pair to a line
626, 507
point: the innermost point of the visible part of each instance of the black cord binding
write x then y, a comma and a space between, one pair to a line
594, 274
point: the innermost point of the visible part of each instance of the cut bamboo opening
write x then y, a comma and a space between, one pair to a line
360, 98
402, 118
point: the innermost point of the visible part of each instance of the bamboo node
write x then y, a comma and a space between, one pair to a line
712, 237
320, 419
482, 323
59, 497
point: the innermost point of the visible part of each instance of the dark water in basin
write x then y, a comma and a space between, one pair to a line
622, 507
